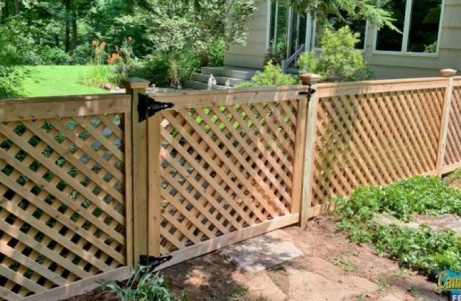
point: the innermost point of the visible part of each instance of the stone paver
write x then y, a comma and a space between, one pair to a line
263, 252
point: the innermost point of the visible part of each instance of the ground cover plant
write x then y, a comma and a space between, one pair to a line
424, 249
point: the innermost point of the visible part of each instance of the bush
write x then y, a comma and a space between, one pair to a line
169, 69
11, 78
81, 55
216, 54
339, 60
54, 56
271, 76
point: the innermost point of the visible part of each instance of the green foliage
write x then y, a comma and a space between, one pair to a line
53, 56
425, 249
99, 75
363, 9
339, 60
271, 76
11, 78
169, 68
216, 54
144, 285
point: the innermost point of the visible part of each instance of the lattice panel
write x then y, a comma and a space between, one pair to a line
453, 146
225, 168
374, 139
62, 201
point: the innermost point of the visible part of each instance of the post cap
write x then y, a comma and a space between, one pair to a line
448, 72
310, 78
134, 83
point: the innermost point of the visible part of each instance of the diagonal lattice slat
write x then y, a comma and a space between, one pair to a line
224, 168
62, 201
374, 138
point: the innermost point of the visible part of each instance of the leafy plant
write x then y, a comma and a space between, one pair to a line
425, 248
99, 75
339, 60
271, 76
144, 285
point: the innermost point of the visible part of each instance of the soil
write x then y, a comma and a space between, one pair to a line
331, 269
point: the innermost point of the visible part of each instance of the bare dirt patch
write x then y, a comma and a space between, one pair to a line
331, 269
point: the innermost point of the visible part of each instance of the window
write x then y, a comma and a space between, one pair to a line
356, 26
279, 27
418, 21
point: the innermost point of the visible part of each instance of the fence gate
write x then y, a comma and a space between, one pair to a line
223, 166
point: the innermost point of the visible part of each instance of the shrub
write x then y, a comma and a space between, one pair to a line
271, 76
339, 60
81, 55
11, 78
54, 56
169, 69
216, 54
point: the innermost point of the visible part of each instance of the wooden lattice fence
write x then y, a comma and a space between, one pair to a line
87, 186
381, 131
63, 207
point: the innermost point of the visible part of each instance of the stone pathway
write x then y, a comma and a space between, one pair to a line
316, 279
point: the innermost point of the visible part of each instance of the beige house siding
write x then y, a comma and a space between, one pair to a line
251, 55
383, 64
399, 65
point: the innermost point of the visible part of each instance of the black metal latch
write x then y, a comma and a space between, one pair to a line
147, 107
310, 91
153, 261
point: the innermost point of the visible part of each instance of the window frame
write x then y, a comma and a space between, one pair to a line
406, 33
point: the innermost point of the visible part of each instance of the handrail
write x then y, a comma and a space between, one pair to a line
292, 58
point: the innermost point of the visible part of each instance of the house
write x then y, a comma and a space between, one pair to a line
430, 38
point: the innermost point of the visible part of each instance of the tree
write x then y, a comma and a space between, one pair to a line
353, 9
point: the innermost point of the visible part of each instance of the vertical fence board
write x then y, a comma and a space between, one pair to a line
153, 178
135, 86
445, 120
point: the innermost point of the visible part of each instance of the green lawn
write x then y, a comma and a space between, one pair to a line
58, 80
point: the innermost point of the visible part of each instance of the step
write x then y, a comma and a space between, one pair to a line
231, 72
221, 80
197, 85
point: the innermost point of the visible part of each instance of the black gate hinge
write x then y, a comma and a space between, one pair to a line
148, 106
153, 261
310, 91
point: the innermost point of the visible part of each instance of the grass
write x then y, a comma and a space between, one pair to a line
58, 80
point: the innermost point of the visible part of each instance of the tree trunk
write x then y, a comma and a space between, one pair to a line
74, 29
5, 11
67, 25
16, 7
56, 40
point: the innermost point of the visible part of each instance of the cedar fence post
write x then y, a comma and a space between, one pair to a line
135, 86
448, 73
309, 148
